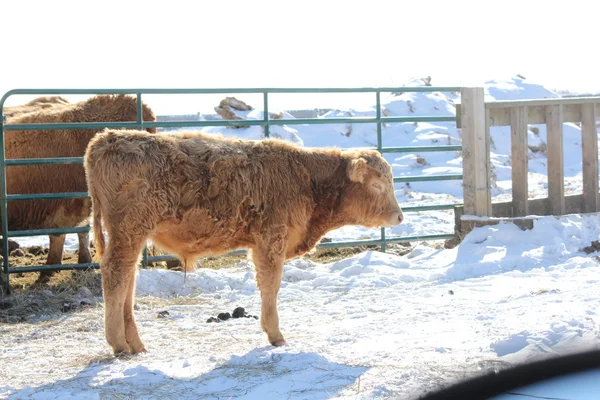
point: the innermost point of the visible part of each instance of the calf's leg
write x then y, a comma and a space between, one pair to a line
269, 270
131, 332
118, 268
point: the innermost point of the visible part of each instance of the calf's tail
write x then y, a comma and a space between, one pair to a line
97, 226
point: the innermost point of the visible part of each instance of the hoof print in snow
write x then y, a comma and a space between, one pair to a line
162, 314
450, 291
224, 316
213, 319
239, 312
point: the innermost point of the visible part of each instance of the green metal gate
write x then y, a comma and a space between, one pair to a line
265, 122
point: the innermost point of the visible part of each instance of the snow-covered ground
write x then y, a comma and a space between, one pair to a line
370, 326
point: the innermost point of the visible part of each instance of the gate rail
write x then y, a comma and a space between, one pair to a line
266, 122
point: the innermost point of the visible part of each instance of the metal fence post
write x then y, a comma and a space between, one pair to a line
3, 209
379, 147
266, 113
140, 126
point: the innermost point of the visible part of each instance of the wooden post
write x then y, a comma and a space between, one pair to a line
519, 158
589, 144
556, 178
475, 142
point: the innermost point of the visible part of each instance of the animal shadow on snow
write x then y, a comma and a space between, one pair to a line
259, 374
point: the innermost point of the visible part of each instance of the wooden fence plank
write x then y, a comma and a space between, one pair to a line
519, 158
535, 114
589, 144
475, 142
544, 102
488, 163
556, 179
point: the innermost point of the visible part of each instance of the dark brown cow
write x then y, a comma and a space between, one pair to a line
195, 194
36, 104
43, 214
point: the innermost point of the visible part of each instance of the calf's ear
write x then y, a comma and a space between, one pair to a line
357, 170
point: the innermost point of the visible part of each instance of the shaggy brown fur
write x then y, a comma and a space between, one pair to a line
195, 194
59, 178
34, 105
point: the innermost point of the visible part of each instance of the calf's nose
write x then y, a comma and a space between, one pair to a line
396, 219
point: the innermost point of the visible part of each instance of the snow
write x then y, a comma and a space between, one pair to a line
374, 325
516, 89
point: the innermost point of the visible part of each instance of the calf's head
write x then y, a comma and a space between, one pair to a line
368, 197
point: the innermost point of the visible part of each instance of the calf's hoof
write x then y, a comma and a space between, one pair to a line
279, 342
276, 338
119, 351
121, 354
135, 350
129, 351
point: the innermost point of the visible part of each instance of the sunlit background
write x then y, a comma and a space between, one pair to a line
262, 43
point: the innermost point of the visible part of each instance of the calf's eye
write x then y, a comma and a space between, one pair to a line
377, 186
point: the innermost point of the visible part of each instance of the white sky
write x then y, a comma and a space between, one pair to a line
254, 43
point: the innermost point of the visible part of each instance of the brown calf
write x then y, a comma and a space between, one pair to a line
195, 194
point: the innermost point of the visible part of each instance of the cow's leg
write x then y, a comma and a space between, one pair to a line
269, 270
84, 256
55, 253
118, 270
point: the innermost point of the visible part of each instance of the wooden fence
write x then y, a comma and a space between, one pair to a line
475, 117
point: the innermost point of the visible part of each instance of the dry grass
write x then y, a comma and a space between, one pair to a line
64, 293
25, 281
